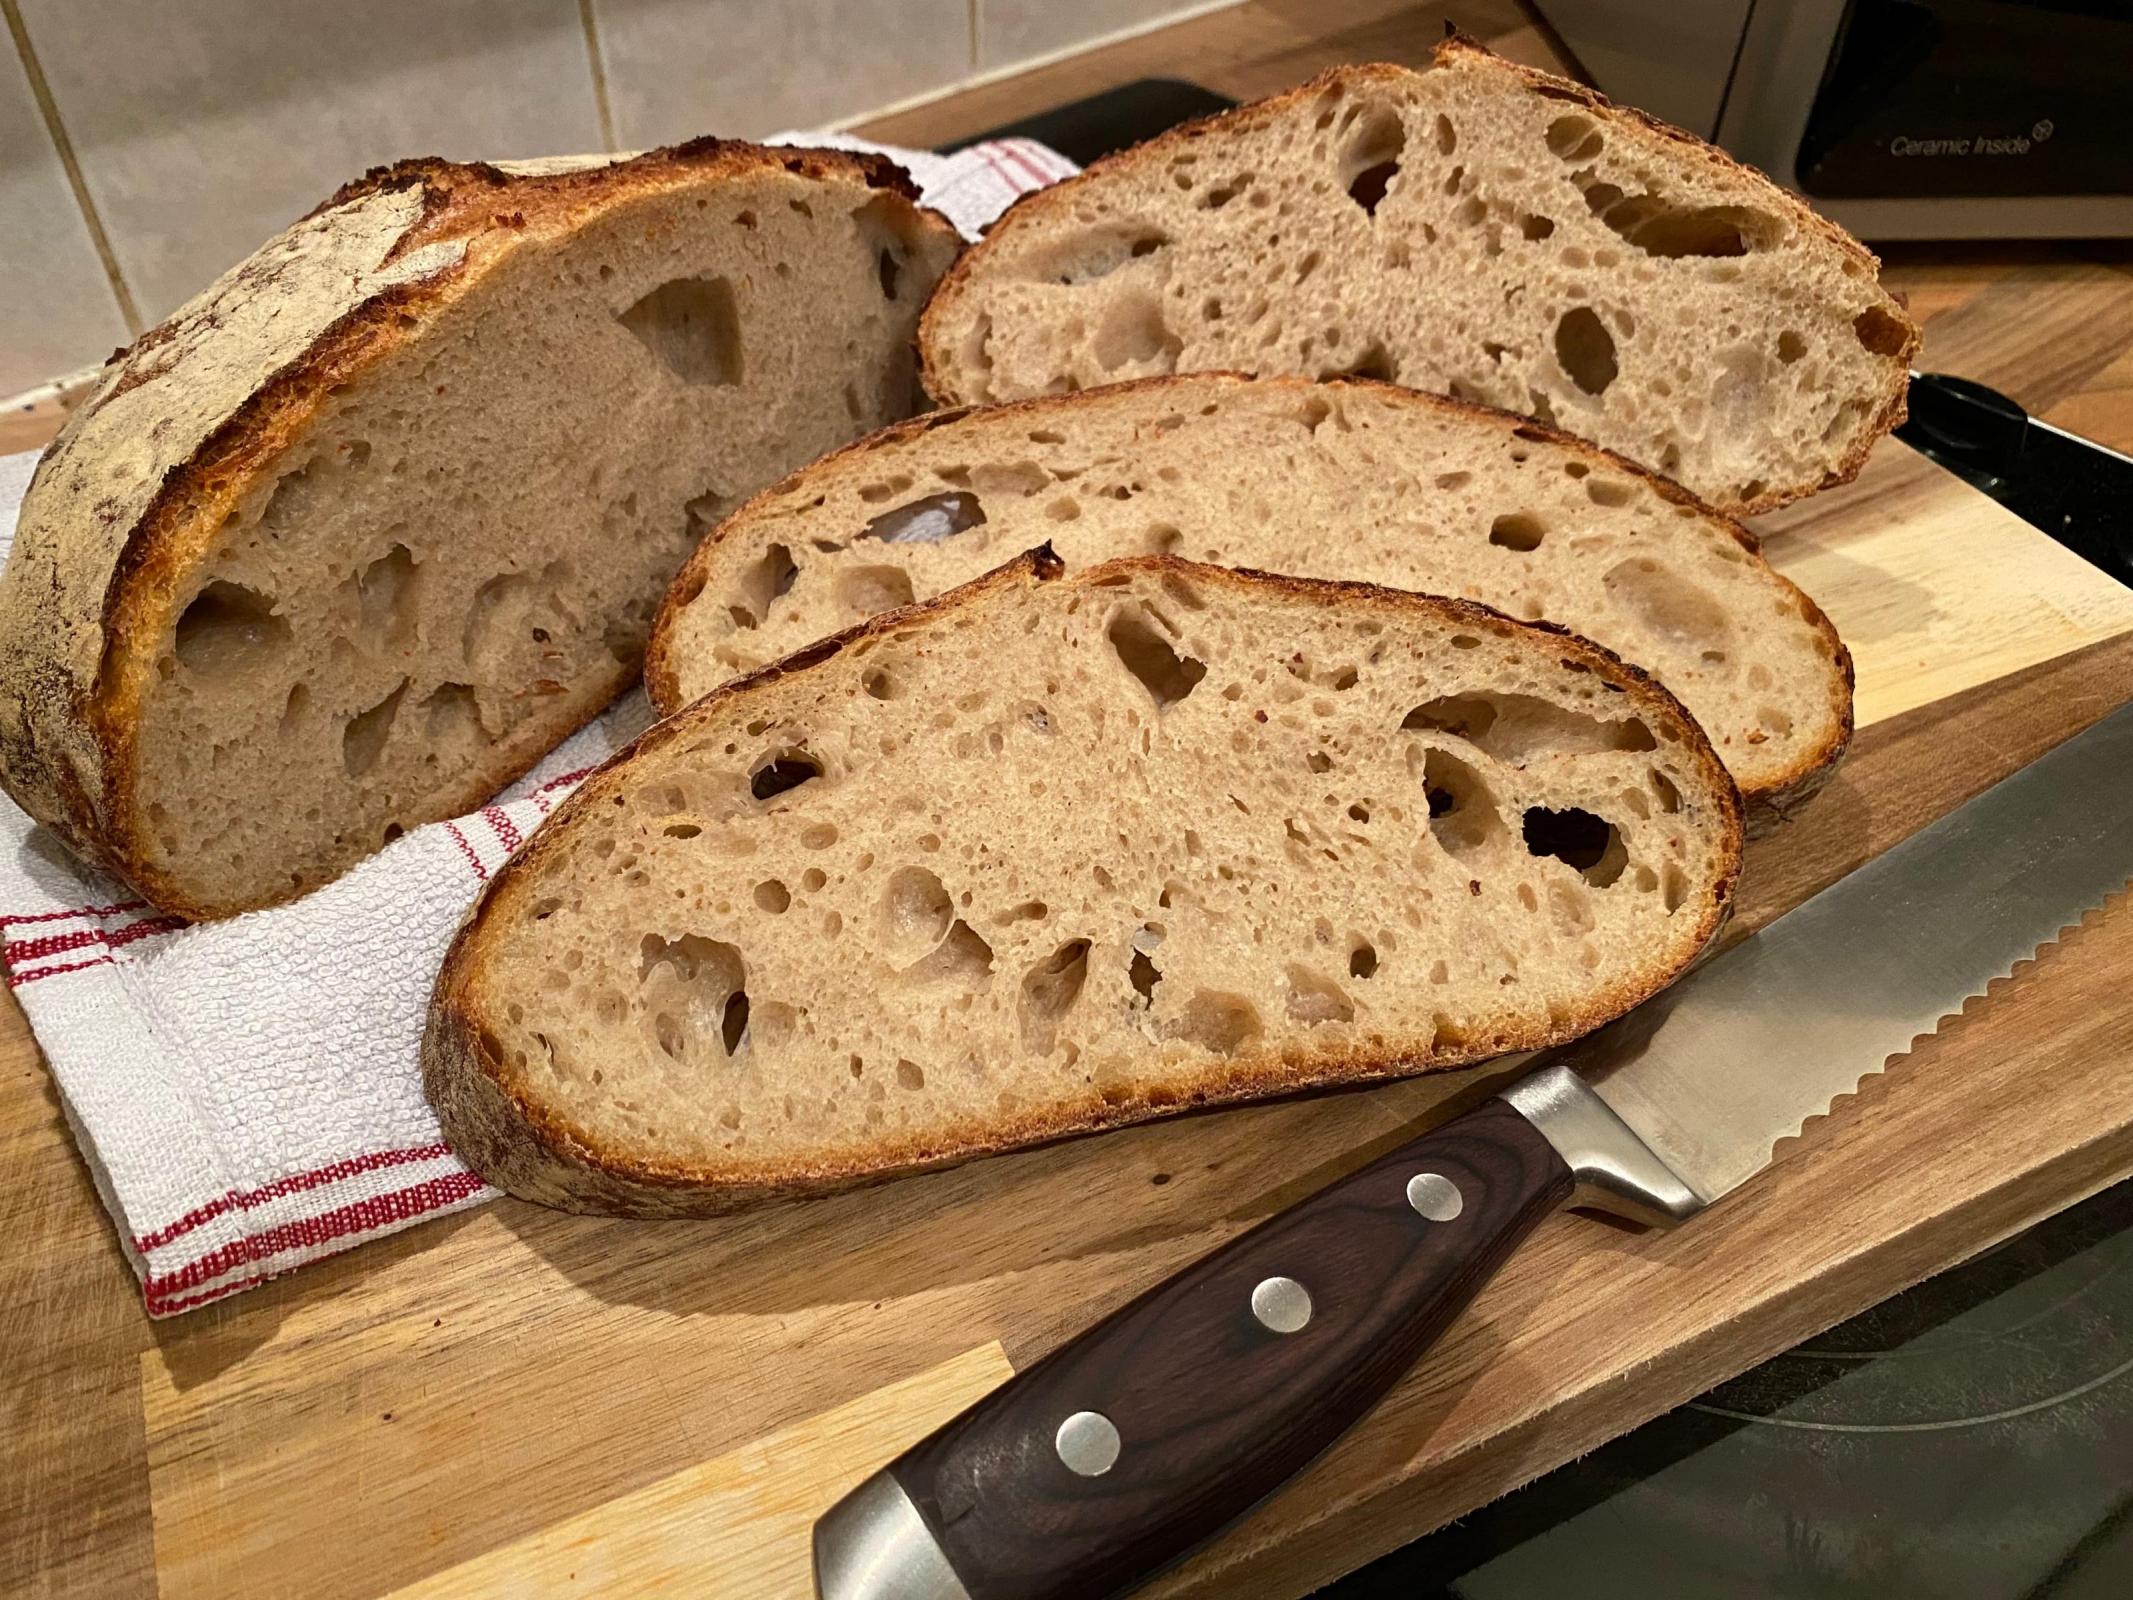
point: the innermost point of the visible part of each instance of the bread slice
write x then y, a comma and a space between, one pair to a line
364, 530
1475, 229
1053, 853
1345, 479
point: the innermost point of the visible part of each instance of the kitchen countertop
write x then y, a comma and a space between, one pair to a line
2049, 325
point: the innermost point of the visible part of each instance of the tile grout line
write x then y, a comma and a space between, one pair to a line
56, 130
601, 107
971, 9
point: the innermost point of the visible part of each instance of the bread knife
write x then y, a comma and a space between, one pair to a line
1125, 1449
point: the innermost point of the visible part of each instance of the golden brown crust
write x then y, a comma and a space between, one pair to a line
525, 1148
1033, 208
1767, 804
71, 686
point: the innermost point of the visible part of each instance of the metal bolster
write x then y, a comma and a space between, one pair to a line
1615, 1170
873, 1545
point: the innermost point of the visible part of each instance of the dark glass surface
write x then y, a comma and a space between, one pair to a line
1971, 1439
1974, 97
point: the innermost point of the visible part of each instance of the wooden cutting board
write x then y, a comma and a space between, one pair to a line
516, 1401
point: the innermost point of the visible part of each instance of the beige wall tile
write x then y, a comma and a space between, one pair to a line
1014, 30
205, 126
678, 68
57, 311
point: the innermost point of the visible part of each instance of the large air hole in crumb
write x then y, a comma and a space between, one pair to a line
1372, 361
1517, 530
782, 773
872, 590
1218, 1022
1572, 137
1049, 992
962, 959
1660, 228
510, 611
452, 716
1585, 350
927, 521
1370, 160
1517, 727
1577, 838
1167, 676
694, 997
913, 915
1462, 812
1666, 604
700, 515
229, 632
762, 583
1097, 253
693, 327
363, 739
385, 596
1314, 998
1363, 960
1143, 974
1133, 331
1880, 333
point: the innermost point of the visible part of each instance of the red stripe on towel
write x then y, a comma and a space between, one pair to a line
467, 850
502, 826
378, 1211
17, 951
159, 1306
78, 911
16, 980
294, 1183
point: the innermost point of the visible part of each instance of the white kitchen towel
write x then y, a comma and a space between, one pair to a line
247, 1093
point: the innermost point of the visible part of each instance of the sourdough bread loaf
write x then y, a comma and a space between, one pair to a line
364, 530
1476, 229
1342, 479
1052, 853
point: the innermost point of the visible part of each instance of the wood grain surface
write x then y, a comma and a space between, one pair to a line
462, 1398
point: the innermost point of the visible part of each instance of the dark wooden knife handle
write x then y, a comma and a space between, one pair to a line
1212, 1408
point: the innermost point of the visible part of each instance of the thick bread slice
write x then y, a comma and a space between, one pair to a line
1334, 480
1476, 229
361, 532
1050, 854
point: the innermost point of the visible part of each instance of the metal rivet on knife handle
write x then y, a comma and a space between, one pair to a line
1435, 1196
1087, 1443
1282, 1305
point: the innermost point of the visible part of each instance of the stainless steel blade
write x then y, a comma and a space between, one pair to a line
1743, 1051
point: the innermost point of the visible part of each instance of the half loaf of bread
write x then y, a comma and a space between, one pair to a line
1335, 480
364, 530
1052, 853
1475, 229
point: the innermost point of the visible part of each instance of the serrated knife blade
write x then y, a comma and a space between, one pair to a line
1128, 1446
1745, 1050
